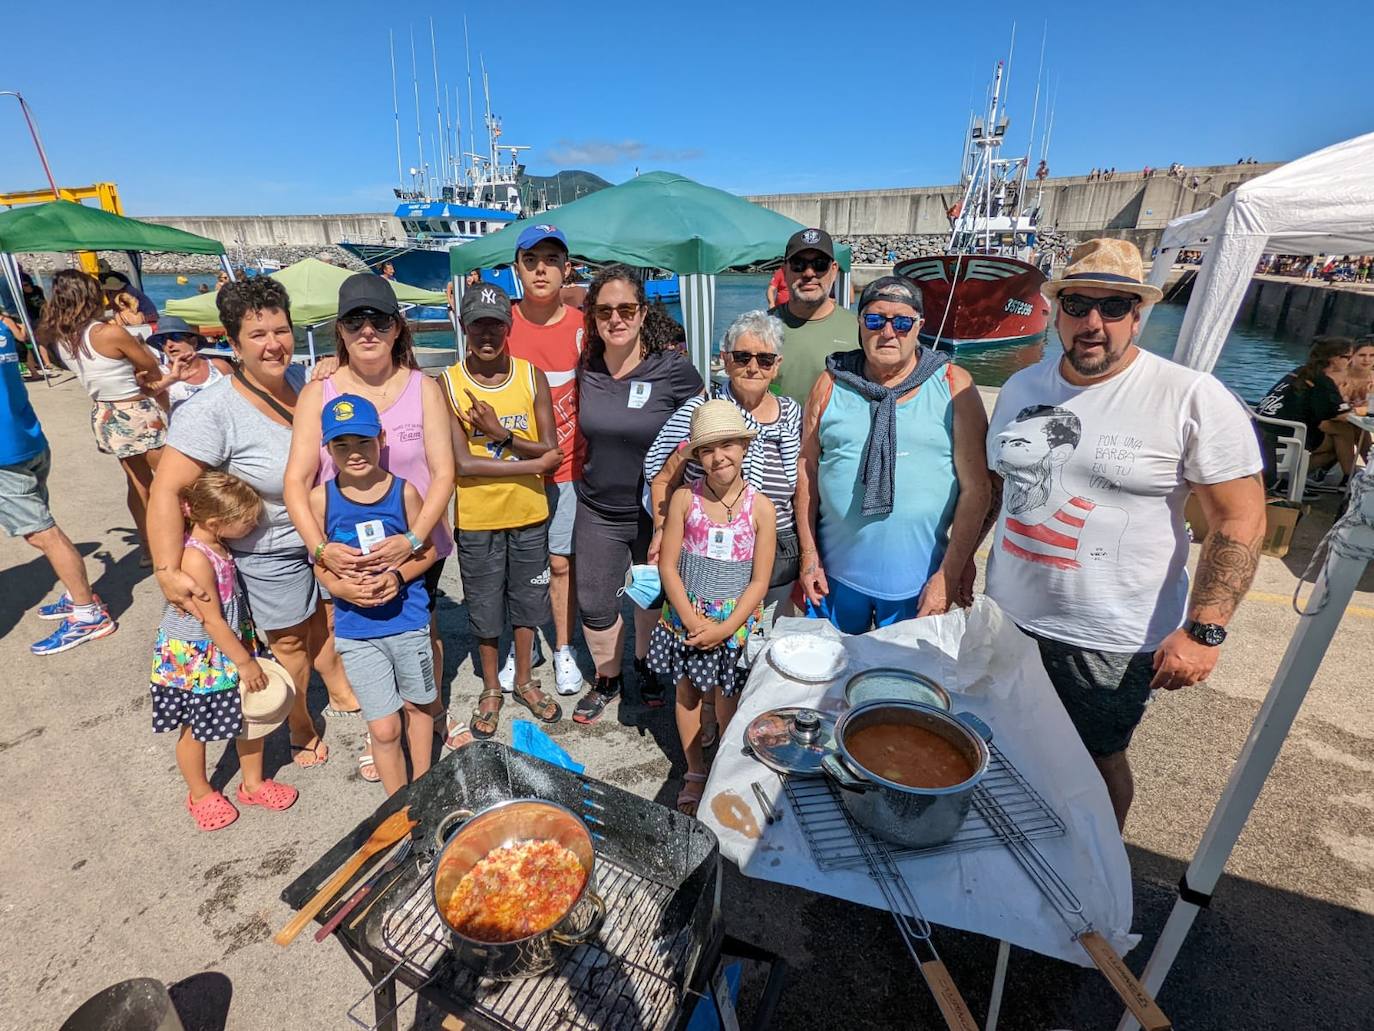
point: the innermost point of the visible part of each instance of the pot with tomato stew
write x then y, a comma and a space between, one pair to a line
907, 770
508, 885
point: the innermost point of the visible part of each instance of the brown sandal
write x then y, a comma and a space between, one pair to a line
544, 708
483, 724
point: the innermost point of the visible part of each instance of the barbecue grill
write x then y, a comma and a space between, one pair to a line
657, 870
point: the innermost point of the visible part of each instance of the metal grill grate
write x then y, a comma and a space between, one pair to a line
630, 977
824, 820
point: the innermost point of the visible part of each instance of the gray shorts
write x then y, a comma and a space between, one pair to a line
1104, 693
281, 587
562, 513
24, 496
505, 576
387, 672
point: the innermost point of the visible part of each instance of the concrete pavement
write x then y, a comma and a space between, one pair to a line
105, 876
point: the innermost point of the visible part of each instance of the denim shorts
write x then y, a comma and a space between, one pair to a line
1104, 693
24, 495
387, 672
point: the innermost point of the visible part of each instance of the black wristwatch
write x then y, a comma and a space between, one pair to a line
1210, 634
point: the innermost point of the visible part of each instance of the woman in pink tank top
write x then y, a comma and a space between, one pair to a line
376, 360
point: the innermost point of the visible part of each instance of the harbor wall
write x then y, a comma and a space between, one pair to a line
258, 232
1298, 310
1128, 205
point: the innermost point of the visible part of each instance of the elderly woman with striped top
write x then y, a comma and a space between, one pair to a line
752, 350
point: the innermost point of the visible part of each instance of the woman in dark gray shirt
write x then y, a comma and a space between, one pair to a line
628, 386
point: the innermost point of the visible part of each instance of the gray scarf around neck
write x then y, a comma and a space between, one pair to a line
879, 457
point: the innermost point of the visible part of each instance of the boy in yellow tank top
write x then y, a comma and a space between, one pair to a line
504, 445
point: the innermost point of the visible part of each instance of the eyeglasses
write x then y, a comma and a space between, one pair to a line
1113, 309
820, 263
380, 321
764, 358
625, 311
901, 323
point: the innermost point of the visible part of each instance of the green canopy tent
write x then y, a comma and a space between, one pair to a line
659, 220
313, 287
63, 226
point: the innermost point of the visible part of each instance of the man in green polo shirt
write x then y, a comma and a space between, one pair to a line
815, 326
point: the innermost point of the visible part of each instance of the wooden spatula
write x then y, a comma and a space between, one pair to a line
391, 830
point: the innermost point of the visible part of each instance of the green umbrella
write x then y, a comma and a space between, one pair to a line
656, 220
313, 287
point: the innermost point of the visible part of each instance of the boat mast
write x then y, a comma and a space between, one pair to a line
991, 143
396, 110
419, 133
1030, 138
472, 122
438, 113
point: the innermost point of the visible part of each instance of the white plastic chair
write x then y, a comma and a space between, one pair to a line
1291, 456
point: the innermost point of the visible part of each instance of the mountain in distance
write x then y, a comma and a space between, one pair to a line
564, 187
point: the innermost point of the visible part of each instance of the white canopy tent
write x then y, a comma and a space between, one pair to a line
1319, 204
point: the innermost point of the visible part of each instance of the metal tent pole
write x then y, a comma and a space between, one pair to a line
228, 268
10, 264
1351, 543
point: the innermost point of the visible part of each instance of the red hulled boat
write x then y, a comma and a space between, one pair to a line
985, 289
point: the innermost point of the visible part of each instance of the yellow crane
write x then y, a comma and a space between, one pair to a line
106, 193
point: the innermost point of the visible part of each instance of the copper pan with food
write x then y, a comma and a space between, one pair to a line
515, 884
906, 770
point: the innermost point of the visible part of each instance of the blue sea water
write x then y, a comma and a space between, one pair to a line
1250, 362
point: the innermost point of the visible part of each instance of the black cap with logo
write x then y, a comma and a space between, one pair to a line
810, 240
484, 301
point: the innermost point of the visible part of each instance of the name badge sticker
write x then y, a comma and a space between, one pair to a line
639, 393
720, 543
370, 534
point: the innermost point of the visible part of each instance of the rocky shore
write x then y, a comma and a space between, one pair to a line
875, 250
197, 264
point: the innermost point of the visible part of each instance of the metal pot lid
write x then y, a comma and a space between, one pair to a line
890, 683
792, 739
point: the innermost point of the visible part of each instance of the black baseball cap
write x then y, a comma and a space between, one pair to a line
484, 301
810, 240
891, 288
364, 290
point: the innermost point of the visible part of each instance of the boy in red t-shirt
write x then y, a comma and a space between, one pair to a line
547, 333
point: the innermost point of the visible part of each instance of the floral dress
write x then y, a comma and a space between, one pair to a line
716, 565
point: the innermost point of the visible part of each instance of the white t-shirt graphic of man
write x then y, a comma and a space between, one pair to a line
1046, 523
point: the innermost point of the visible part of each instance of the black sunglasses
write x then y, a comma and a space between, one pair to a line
820, 263
380, 321
178, 338
1113, 309
901, 323
765, 359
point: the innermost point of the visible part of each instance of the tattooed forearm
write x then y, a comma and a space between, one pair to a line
1225, 570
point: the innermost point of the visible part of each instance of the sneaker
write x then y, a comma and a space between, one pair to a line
567, 676
72, 633
650, 688
62, 607
506, 677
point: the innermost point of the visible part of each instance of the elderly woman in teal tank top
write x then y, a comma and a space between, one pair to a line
893, 488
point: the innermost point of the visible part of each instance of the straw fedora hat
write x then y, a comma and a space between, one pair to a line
1106, 264
715, 421
264, 711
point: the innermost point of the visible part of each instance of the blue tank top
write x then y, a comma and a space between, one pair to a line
21, 438
892, 556
409, 610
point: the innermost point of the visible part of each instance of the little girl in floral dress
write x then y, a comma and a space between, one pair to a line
715, 562
198, 663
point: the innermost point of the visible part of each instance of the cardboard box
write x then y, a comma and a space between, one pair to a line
1280, 521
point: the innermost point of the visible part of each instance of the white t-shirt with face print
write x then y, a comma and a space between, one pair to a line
1090, 546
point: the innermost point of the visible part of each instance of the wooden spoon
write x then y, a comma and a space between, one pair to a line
391, 830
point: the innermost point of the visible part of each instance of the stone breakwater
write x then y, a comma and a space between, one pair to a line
876, 250
198, 264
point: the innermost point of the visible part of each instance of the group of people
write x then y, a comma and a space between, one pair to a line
841, 470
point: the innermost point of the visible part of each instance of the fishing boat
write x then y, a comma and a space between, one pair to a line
984, 291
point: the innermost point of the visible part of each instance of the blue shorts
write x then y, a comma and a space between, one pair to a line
852, 612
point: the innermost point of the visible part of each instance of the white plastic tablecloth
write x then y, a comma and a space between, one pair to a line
994, 671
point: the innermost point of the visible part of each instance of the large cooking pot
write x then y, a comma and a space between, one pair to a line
505, 824
916, 817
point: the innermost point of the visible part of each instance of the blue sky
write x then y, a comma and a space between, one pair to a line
249, 107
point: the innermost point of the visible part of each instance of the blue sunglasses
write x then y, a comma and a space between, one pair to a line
901, 323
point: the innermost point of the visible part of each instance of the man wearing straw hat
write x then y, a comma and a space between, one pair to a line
1094, 456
